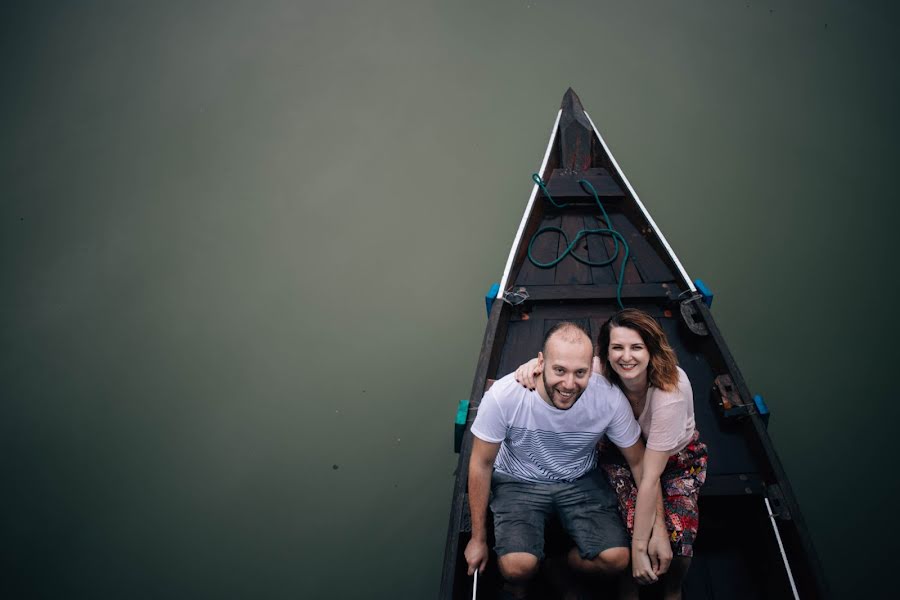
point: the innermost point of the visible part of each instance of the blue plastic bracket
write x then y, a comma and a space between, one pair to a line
490, 297
459, 426
762, 408
704, 291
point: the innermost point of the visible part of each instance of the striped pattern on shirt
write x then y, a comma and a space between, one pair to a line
550, 456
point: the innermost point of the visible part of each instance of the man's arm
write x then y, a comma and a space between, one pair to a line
481, 466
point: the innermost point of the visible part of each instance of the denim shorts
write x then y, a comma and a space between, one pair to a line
587, 508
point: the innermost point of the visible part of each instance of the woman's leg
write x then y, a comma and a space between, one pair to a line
682, 479
628, 587
674, 578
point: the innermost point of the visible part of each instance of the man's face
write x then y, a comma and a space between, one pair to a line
566, 370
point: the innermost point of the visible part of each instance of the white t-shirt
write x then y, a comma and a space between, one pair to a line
543, 444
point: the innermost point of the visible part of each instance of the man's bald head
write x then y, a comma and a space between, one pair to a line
566, 331
565, 363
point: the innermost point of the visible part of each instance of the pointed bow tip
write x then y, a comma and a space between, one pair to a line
570, 98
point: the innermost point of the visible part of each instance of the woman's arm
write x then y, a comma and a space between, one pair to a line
526, 373
646, 515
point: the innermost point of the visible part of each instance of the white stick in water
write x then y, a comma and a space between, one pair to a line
475, 585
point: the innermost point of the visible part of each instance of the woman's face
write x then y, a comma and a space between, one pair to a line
628, 355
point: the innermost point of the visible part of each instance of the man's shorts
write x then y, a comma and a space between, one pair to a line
587, 508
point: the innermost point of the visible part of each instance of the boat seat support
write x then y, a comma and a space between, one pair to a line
777, 503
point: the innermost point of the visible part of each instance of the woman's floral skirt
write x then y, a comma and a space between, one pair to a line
681, 480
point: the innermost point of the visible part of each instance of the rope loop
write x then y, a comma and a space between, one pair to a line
608, 230
540, 182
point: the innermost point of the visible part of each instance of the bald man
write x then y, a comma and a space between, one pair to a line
535, 453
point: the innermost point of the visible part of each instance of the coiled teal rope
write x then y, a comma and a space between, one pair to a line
570, 247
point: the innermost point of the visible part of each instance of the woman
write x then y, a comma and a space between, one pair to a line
635, 354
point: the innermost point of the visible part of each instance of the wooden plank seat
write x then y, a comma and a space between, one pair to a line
541, 293
564, 186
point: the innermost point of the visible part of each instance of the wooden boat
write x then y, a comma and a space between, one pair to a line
752, 542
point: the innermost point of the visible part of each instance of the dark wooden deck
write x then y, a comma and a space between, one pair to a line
644, 263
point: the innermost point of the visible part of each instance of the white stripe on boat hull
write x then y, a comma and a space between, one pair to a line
528, 207
640, 204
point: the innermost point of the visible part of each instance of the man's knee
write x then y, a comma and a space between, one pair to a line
518, 566
613, 560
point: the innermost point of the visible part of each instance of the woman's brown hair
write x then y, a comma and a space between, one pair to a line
662, 372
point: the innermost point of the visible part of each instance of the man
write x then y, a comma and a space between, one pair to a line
535, 451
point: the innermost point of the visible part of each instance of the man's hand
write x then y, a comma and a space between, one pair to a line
476, 555
481, 465
526, 373
641, 568
660, 552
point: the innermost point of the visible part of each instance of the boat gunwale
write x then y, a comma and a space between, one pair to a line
644, 211
778, 473
496, 328
529, 207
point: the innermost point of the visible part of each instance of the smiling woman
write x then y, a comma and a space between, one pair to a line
635, 354
633, 344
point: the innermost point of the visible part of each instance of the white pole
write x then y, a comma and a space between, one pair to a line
787, 565
475, 585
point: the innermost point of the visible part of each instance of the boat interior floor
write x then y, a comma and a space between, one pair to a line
730, 562
644, 264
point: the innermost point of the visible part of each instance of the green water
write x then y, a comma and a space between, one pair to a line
243, 249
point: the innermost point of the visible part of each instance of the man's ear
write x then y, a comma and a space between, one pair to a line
540, 360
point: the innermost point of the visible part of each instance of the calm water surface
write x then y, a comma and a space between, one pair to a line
243, 248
